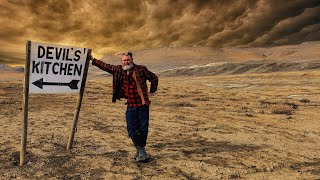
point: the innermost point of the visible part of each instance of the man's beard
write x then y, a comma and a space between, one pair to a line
127, 67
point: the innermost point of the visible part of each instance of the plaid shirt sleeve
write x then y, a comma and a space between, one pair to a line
104, 66
153, 79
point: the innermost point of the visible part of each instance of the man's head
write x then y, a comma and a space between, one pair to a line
127, 61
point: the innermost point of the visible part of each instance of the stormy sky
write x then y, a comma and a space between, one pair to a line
111, 26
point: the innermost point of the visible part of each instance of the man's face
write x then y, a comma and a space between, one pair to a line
127, 62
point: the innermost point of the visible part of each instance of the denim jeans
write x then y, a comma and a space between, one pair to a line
137, 119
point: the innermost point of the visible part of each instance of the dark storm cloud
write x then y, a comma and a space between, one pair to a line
112, 26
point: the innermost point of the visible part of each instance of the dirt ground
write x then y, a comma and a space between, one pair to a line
258, 126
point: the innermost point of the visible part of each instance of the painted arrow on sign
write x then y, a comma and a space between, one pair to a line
72, 84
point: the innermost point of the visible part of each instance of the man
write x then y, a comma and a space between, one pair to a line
129, 82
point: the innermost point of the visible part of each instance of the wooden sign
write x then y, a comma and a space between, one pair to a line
53, 69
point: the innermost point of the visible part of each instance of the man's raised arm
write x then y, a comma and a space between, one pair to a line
102, 65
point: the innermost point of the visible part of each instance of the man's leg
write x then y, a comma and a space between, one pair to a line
143, 125
132, 125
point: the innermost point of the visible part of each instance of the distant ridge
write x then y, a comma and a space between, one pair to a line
207, 61
241, 68
5, 68
164, 58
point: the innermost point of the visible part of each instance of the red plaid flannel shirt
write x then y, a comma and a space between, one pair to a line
142, 74
129, 88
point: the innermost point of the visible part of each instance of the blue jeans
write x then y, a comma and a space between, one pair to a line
137, 119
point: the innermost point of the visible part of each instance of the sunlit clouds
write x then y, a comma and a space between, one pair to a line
112, 26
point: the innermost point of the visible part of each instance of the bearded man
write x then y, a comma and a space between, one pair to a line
129, 82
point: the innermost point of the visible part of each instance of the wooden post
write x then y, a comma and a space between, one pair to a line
76, 114
23, 154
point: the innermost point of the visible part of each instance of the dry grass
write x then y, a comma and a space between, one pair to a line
204, 127
281, 109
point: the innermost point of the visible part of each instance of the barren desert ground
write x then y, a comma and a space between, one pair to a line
247, 126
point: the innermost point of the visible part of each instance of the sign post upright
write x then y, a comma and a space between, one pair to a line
23, 152
53, 69
76, 114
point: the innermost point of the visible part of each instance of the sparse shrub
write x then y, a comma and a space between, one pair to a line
267, 103
249, 114
261, 111
6, 102
201, 99
234, 176
292, 105
180, 117
303, 100
181, 104
281, 109
180, 96
245, 109
196, 92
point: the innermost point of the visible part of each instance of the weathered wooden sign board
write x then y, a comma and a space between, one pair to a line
56, 69
52, 69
